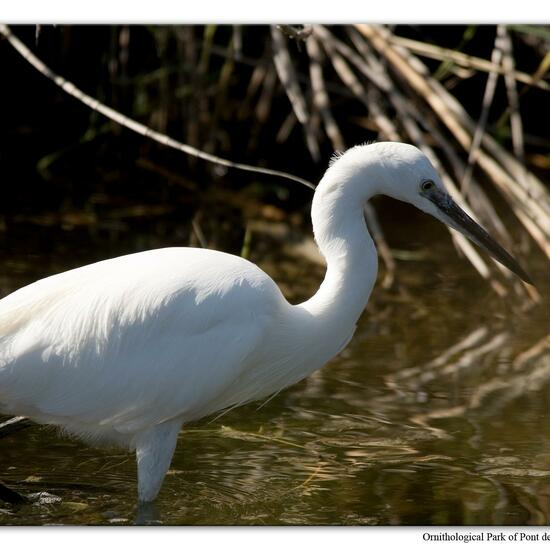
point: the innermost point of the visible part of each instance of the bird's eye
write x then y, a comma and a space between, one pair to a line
427, 185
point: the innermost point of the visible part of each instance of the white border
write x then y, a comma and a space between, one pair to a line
270, 538
282, 11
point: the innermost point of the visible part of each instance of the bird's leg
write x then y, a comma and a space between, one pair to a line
147, 514
154, 450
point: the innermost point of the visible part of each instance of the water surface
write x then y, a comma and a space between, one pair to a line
436, 413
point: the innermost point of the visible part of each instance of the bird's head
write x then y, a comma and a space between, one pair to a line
404, 172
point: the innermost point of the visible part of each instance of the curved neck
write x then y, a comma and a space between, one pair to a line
344, 240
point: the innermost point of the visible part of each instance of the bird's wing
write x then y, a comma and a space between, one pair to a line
133, 341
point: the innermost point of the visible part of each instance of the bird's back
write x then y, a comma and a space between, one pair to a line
111, 348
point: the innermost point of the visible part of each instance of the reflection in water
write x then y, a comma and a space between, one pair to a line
437, 413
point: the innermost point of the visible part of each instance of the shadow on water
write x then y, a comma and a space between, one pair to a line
436, 413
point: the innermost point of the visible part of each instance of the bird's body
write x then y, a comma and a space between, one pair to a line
102, 345
114, 348
128, 350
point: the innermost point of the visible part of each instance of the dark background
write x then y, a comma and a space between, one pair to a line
67, 167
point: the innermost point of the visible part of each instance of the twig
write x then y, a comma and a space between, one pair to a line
332, 87
488, 95
289, 80
542, 70
468, 61
381, 244
237, 41
336, 45
320, 95
258, 77
263, 107
287, 75
382, 122
198, 232
516, 125
131, 124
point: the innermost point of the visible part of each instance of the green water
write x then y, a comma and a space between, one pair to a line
436, 413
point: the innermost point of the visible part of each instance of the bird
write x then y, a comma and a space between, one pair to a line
128, 350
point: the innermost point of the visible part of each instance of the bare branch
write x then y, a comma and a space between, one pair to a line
486, 102
468, 61
320, 95
131, 124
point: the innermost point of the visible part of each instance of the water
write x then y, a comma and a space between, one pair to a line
436, 413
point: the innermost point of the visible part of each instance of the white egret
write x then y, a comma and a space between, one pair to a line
128, 350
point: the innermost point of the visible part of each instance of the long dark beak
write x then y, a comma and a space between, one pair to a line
456, 218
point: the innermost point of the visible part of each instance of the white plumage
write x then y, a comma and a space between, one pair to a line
128, 350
